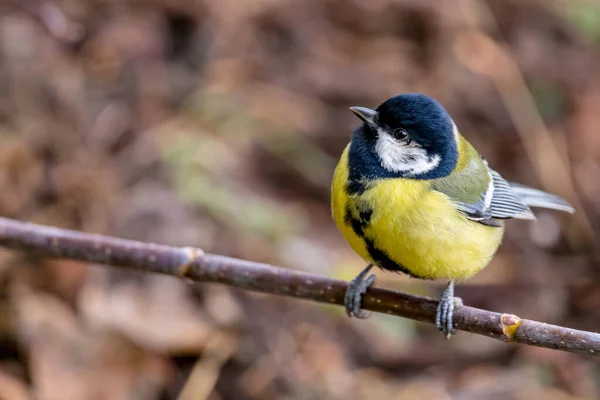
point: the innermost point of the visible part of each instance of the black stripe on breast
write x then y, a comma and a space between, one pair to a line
355, 187
382, 260
358, 224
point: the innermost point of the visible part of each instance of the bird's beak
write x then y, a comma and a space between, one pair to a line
365, 114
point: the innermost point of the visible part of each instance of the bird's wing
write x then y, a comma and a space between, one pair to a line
499, 199
537, 198
506, 202
482, 195
512, 200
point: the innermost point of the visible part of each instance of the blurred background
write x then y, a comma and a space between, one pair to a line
218, 124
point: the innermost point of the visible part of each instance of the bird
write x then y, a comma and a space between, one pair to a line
410, 194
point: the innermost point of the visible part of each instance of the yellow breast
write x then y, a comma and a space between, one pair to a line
404, 225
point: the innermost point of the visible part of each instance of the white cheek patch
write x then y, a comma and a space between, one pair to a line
408, 159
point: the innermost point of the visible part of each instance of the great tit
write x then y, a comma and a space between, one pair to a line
410, 194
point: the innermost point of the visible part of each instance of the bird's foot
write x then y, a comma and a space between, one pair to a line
356, 288
445, 311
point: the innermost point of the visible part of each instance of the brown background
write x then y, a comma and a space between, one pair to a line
218, 124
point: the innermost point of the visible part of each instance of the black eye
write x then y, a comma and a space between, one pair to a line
401, 134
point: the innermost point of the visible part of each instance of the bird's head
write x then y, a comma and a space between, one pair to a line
411, 135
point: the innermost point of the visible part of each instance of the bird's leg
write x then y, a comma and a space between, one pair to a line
356, 288
445, 310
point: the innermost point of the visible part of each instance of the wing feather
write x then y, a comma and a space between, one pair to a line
506, 203
508, 200
484, 196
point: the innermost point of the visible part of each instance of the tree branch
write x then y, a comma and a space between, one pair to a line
201, 267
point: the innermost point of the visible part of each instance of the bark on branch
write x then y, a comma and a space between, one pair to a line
201, 267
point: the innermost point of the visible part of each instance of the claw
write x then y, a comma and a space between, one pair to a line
357, 287
445, 311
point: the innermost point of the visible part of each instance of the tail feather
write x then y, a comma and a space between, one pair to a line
537, 198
